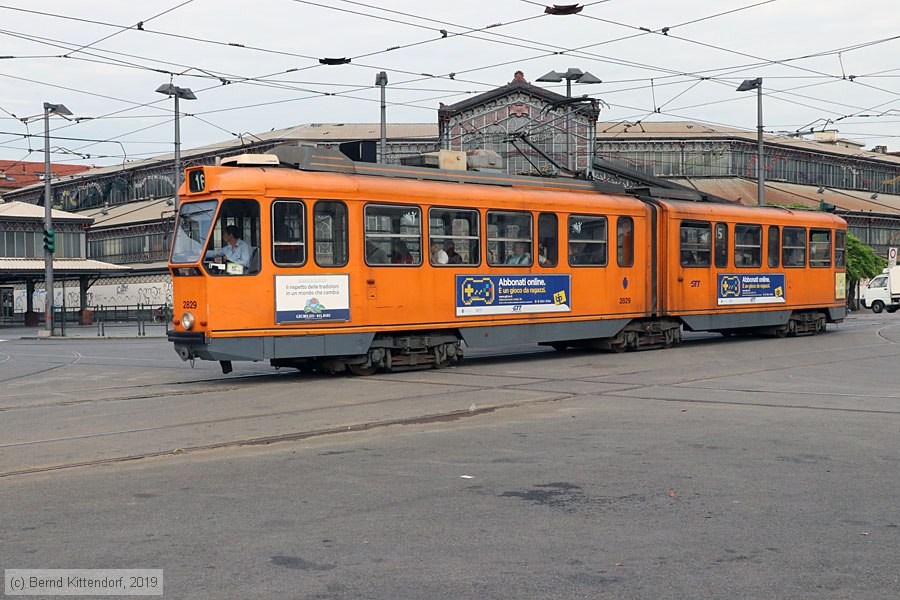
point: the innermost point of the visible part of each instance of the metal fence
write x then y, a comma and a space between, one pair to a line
128, 316
138, 316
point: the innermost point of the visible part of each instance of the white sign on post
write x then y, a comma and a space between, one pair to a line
892, 257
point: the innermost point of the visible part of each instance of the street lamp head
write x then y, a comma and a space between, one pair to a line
57, 109
381, 78
588, 78
179, 92
552, 77
750, 84
572, 74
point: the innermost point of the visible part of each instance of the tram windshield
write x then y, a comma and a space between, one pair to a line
194, 222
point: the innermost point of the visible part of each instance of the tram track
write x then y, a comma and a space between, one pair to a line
437, 417
77, 358
229, 382
484, 358
266, 440
880, 333
503, 382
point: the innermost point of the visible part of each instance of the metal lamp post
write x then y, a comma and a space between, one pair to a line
578, 76
756, 84
49, 234
184, 94
381, 80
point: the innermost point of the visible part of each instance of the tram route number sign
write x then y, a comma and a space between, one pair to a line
512, 294
756, 288
306, 298
196, 181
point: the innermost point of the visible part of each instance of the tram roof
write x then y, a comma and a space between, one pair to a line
310, 158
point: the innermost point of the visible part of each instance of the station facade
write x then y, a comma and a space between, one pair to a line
23, 295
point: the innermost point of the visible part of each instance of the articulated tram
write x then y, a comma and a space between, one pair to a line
361, 267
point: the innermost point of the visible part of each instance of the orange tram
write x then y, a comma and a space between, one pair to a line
360, 267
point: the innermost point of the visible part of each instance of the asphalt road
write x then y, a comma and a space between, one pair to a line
725, 468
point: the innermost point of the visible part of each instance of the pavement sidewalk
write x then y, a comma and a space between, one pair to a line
105, 331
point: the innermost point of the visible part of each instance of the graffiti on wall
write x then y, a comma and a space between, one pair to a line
114, 294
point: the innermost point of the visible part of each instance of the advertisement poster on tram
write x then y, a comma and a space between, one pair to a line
304, 298
756, 288
512, 294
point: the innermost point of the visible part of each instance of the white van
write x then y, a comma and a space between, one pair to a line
883, 292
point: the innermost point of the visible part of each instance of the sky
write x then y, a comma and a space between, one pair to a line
255, 66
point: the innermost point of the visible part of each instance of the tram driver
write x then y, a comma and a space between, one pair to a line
235, 250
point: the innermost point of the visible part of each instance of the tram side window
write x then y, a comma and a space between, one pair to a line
288, 233
457, 232
840, 248
548, 240
793, 247
721, 245
588, 238
819, 248
330, 233
509, 238
774, 246
747, 246
625, 241
695, 244
233, 247
393, 235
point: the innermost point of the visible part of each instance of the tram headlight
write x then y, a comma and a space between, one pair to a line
187, 321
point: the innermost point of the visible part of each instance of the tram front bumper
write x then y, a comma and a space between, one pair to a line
188, 344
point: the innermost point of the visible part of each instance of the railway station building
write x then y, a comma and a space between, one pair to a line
22, 266
518, 127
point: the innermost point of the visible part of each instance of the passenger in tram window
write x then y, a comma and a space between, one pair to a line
593, 254
690, 258
576, 252
375, 255
519, 255
401, 254
235, 249
438, 256
542, 255
453, 256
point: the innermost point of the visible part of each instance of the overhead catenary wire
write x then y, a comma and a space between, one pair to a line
350, 92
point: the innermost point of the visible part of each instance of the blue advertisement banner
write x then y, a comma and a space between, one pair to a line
512, 294
750, 288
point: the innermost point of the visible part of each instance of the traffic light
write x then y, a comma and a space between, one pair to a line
50, 240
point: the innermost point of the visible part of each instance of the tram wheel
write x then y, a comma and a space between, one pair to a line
559, 346
618, 347
820, 325
362, 371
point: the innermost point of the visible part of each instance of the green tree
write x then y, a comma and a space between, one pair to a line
862, 263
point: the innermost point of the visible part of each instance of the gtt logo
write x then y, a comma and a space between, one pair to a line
695, 283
